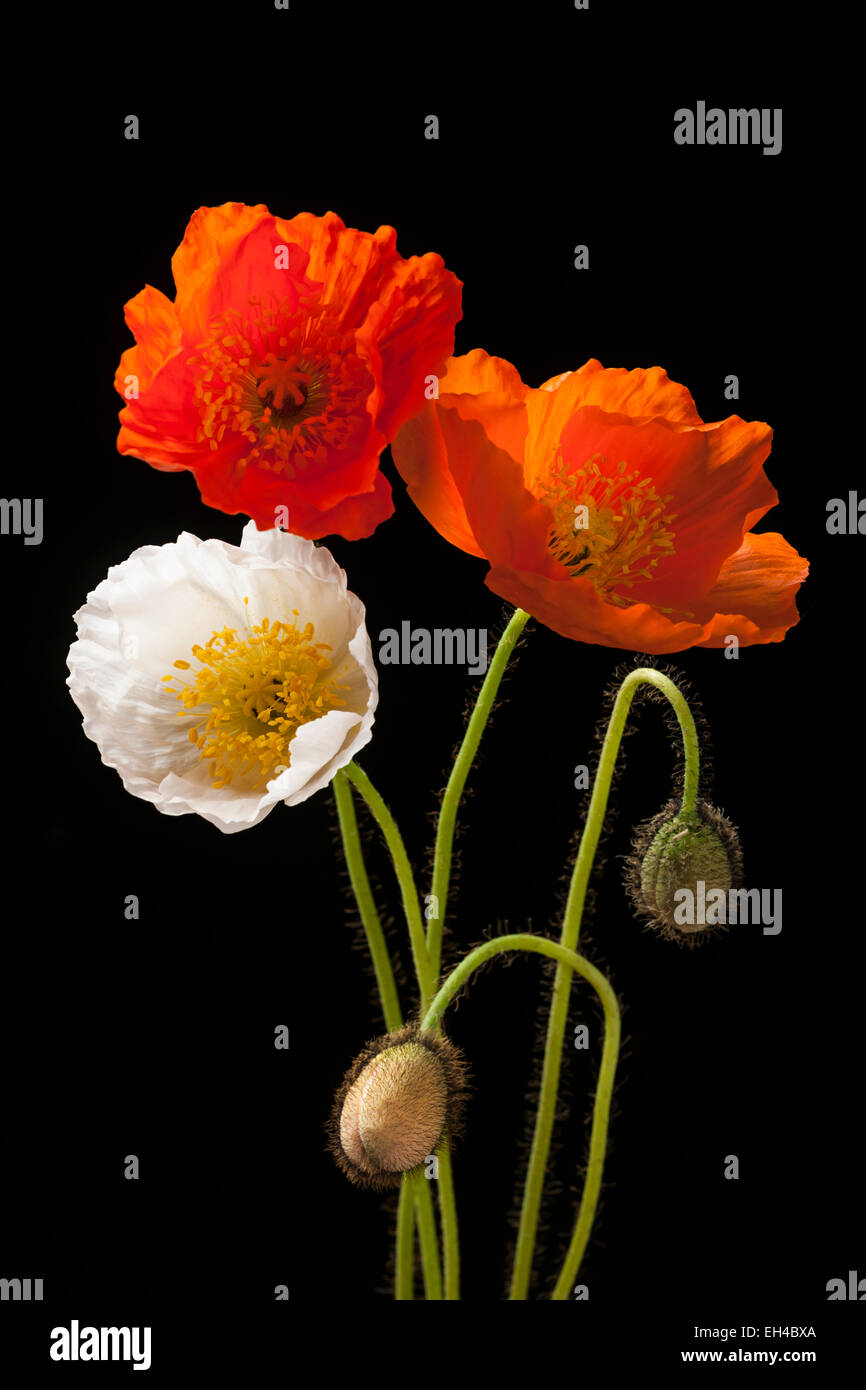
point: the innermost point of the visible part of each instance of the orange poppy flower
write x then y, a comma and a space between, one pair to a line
603, 504
293, 352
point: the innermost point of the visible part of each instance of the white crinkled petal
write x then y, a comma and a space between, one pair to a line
151, 609
286, 549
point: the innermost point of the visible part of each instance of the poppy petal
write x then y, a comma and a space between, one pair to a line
411, 330
421, 458
211, 238
351, 267
754, 597
573, 608
641, 392
154, 322
225, 483
510, 526
475, 387
477, 371
637, 394
161, 427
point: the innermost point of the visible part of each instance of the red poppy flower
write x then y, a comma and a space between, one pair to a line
293, 352
603, 504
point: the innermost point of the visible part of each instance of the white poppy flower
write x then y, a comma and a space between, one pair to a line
219, 679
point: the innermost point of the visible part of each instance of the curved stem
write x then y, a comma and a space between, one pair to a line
568, 961
517, 941
420, 1189
366, 905
450, 1234
391, 1011
580, 877
601, 787
457, 781
427, 953
597, 1151
403, 870
404, 1280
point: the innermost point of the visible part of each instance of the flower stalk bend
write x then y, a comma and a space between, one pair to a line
570, 962
580, 877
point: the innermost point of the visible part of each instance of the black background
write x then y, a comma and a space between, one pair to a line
156, 1037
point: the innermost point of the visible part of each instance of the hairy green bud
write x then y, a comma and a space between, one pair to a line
677, 850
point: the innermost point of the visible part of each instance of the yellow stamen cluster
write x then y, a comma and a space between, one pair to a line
608, 524
251, 694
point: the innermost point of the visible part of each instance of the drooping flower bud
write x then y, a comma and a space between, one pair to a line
679, 860
395, 1103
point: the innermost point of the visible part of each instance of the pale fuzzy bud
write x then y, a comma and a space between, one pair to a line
395, 1103
394, 1114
